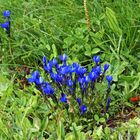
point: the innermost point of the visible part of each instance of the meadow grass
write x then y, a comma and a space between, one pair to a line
55, 27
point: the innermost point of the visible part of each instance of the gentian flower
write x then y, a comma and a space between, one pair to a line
109, 79
48, 89
79, 101
55, 63
96, 59
83, 109
81, 71
48, 67
35, 76
63, 98
106, 66
53, 76
92, 76
87, 79
5, 25
59, 79
81, 80
70, 83
70, 69
63, 58
108, 103
44, 59
63, 70
39, 81
98, 70
6, 13
75, 65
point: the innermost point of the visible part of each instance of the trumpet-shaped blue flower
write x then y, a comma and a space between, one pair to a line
39, 81
63, 58
109, 78
98, 70
63, 70
48, 67
48, 89
5, 25
108, 103
87, 79
44, 59
83, 109
92, 76
96, 59
106, 66
81, 80
53, 76
63, 98
79, 101
55, 63
70, 83
75, 65
6, 13
34, 77
81, 71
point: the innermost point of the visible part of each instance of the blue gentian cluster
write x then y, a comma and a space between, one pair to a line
6, 24
70, 80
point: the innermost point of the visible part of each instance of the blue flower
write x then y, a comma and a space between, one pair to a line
87, 79
44, 59
53, 76
59, 79
81, 80
54, 62
63, 58
108, 103
106, 66
6, 13
48, 67
70, 69
34, 77
75, 65
96, 59
70, 83
83, 109
63, 98
81, 71
78, 101
5, 25
63, 70
109, 78
92, 76
39, 81
56, 77
98, 70
48, 89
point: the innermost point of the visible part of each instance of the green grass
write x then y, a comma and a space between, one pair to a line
51, 28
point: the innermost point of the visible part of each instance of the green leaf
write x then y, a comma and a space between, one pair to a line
88, 53
54, 51
96, 117
102, 120
75, 132
112, 21
61, 131
48, 47
95, 51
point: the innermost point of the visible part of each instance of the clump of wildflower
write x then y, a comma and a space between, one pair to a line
72, 80
6, 24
